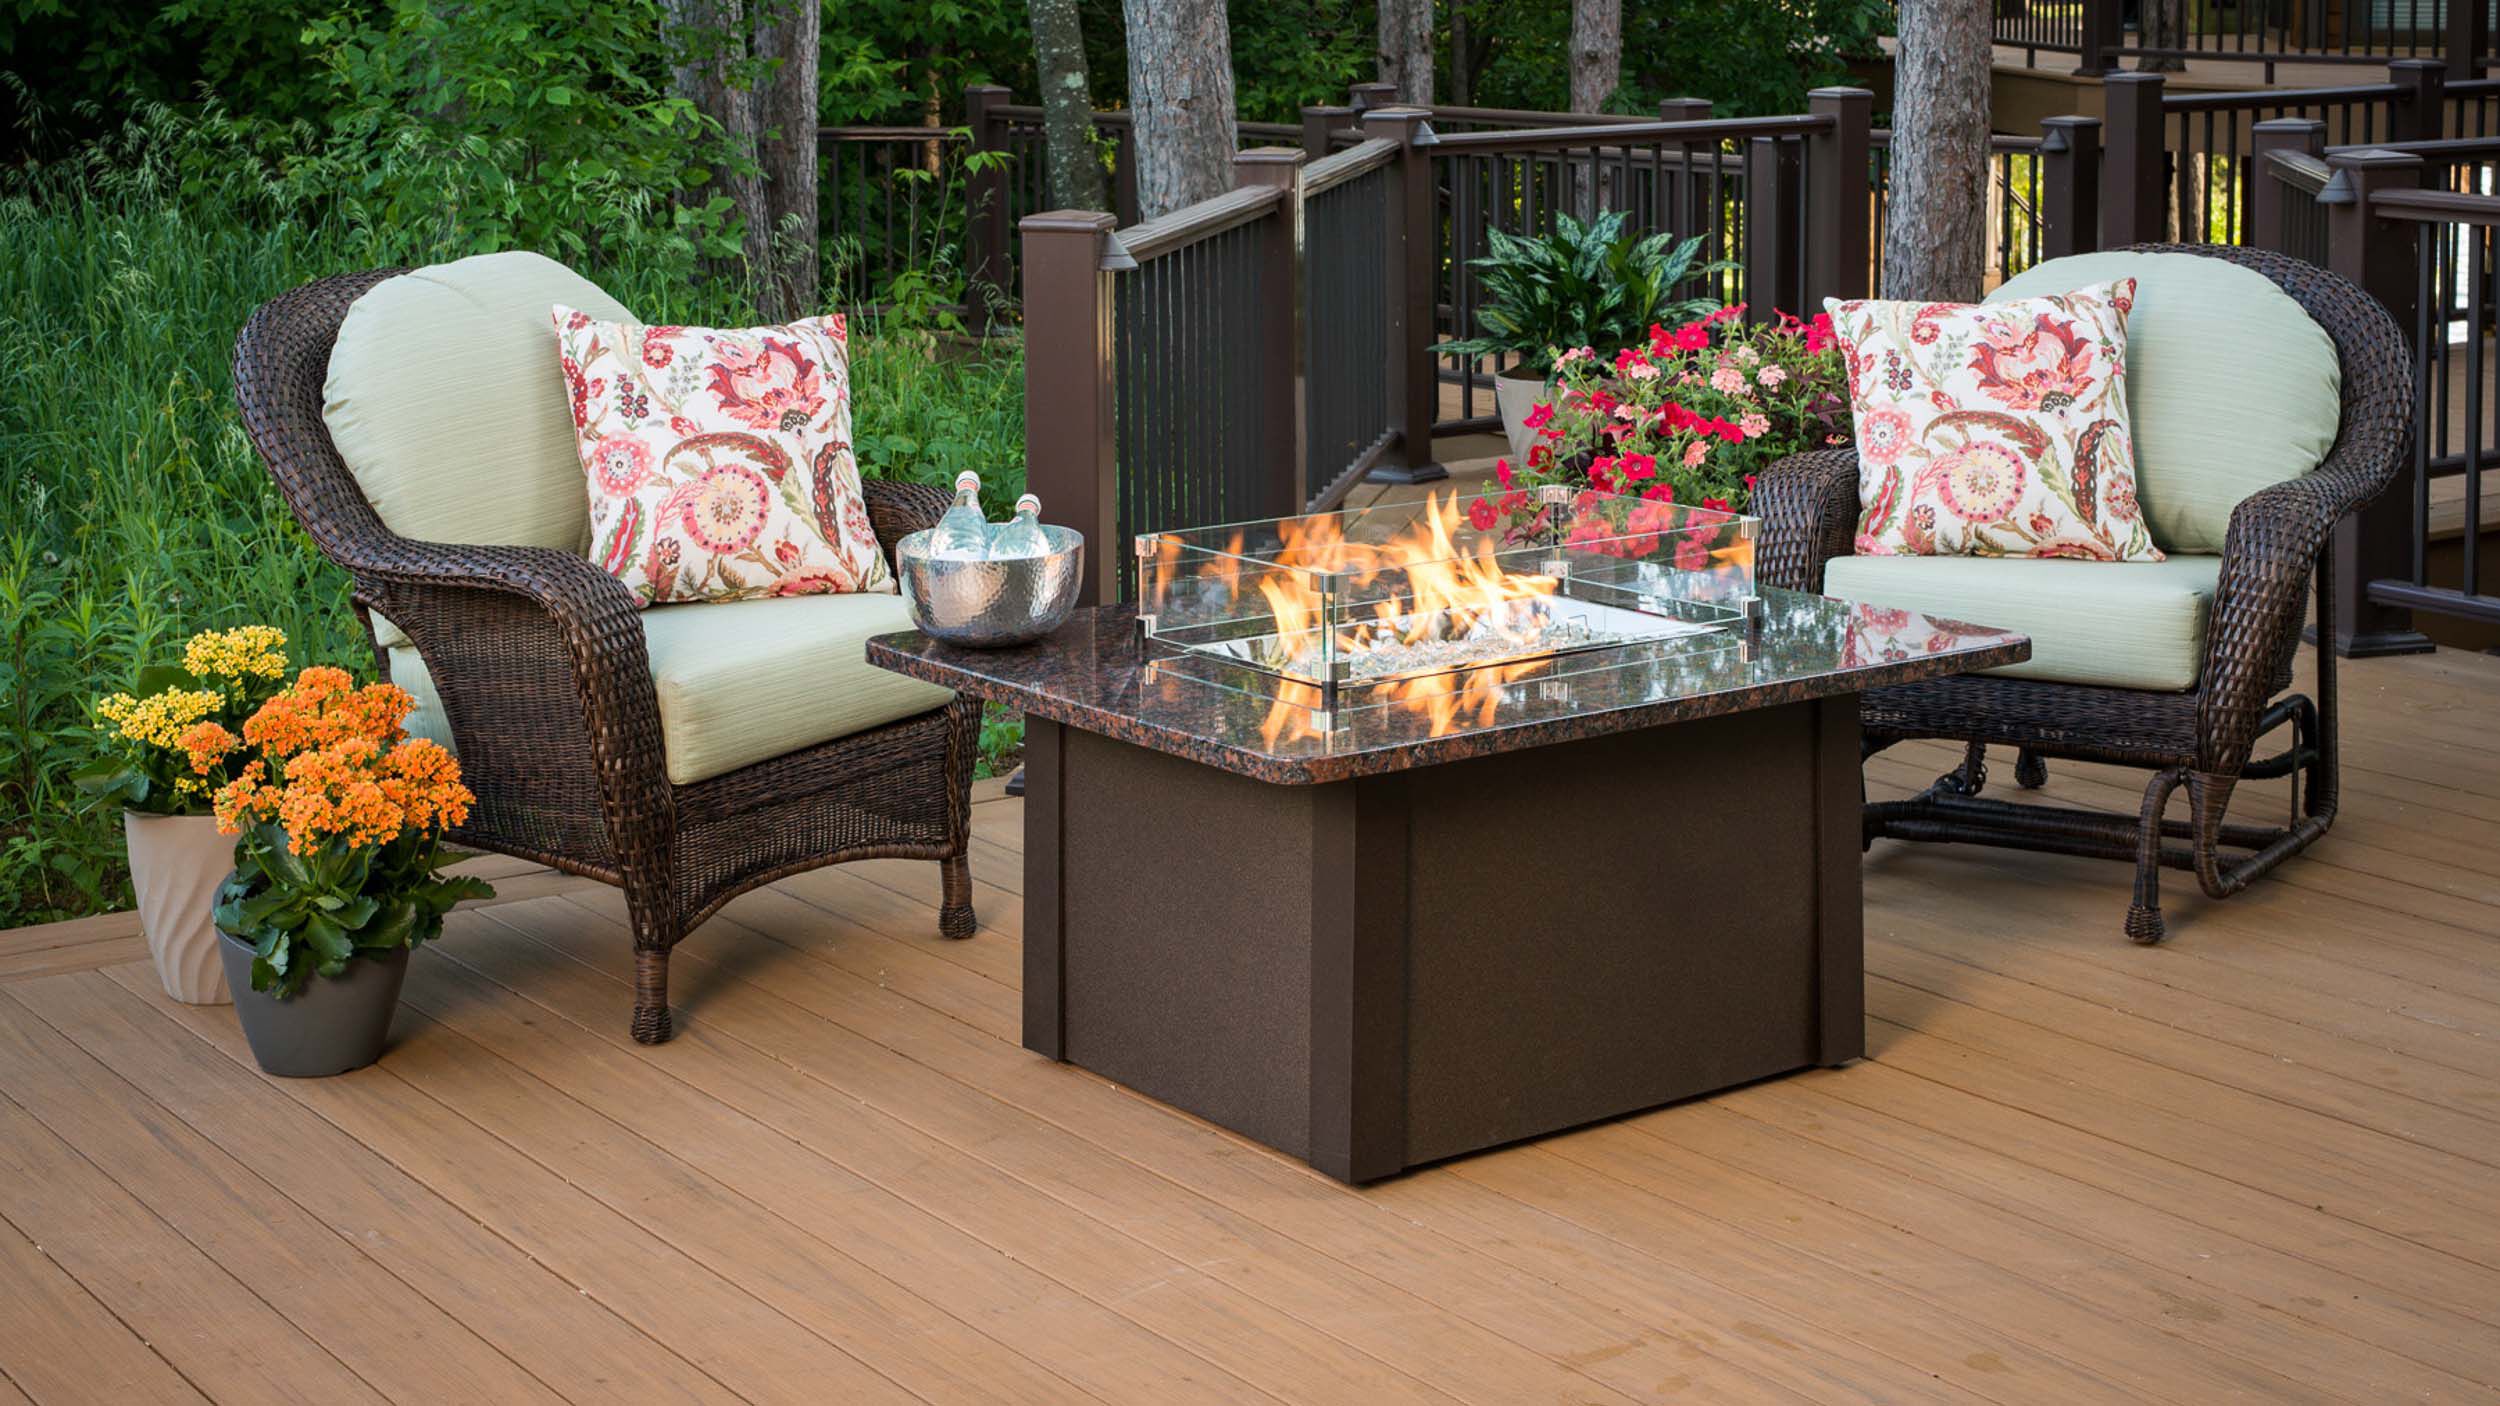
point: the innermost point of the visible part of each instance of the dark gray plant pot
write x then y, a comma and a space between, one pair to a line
334, 1025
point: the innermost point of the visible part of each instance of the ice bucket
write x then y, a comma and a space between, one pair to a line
992, 604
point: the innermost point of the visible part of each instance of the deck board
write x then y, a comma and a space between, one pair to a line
2261, 1162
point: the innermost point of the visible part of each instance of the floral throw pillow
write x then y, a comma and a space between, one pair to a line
1996, 430
720, 461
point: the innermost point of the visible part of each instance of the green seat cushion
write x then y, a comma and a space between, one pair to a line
2230, 386
2132, 624
448, 404
747, 681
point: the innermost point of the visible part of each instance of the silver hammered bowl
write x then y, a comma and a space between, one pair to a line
992, 604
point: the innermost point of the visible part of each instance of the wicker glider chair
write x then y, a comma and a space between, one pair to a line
2202, 736
538, 658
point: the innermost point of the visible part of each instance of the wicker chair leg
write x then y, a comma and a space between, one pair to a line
2030, 772
1970, 777
2144, 923
651, 1019
955, 916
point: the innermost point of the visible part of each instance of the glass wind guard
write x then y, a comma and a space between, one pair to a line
1359, 598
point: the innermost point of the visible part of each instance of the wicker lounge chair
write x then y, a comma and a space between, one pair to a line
2192, 721
536, 663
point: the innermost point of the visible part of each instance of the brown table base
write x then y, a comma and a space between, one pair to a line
1377, 973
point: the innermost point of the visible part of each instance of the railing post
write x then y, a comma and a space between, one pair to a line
1366, 96
2070, 186
1839, 218
2135, 185
1773, 171
2380, 255
1320, 126
2100, 38
1070, 426
2422, 115
2468, 36
1124, 172
1683, 109
987, 273
1413, 241
2265, 194
1281, 314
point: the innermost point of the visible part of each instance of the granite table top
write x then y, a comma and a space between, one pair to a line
1097, 673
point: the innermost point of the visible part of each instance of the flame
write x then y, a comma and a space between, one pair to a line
1431, 590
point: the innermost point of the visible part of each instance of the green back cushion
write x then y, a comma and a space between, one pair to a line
2230, 386
448, 404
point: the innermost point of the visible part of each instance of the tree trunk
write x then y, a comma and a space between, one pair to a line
1935, 239
1462, 72
1596, 53
1180, 85
1405, 49
1073, 171
711, 42
787, 32
2162, 24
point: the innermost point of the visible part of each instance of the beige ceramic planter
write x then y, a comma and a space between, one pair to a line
176, 864
1514, 397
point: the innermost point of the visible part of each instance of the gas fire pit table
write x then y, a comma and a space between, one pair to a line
1286, 876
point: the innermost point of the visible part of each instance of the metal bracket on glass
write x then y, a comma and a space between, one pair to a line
1145, 625
1144, 543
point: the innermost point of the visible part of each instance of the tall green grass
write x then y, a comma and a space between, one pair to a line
133, 511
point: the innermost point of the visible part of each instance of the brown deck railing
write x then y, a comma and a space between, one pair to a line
1349, 201
2265, 35
2389, 220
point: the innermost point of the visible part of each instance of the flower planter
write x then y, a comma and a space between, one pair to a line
334, 1025
176, 864
1514, 397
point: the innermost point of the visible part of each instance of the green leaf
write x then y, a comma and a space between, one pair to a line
392, 928
328, 942
157, 678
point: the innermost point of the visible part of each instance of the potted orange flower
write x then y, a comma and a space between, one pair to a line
337, 873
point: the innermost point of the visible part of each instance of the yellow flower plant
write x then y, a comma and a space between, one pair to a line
173, 739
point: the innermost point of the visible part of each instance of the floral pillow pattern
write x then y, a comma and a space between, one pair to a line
720, 461
1996, 430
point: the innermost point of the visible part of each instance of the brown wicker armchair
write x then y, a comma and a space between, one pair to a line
2202, 738
539, 658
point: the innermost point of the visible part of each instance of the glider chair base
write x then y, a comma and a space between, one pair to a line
2225, 857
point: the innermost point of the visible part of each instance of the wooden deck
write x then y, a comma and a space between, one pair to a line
2261, 1163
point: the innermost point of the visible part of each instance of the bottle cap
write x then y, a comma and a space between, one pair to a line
1028, 503
967, 479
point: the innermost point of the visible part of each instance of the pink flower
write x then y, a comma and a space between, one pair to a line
1691, 553
1727, 380
1771, 376
1883, 435
1755, 426
767, 386
724, 511
621, 463
1981, 482
1538, 416
1695, 452
1640, 371
1502, 473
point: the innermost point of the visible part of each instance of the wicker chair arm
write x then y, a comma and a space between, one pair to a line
898, 509
2268, 553
1808, 504
535, 643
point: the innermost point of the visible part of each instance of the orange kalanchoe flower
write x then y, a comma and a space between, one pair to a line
206, 744
339, 765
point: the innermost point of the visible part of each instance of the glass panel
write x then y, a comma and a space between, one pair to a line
1388, 593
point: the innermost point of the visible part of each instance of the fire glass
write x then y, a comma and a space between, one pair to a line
1370, 596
